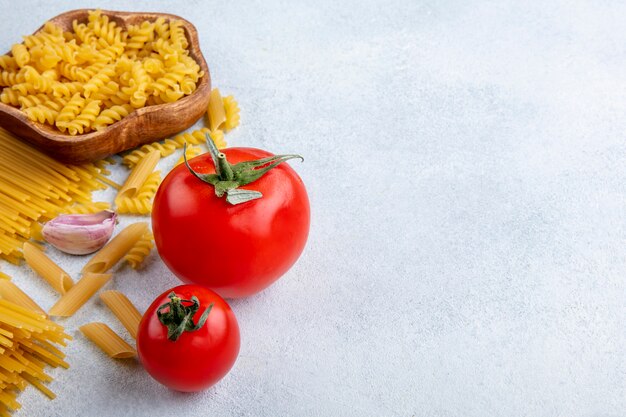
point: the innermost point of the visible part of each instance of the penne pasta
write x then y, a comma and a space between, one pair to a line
117, 247
46, 268
78, 295
139, 175
11, 292
107, 340
216, 112
123, 309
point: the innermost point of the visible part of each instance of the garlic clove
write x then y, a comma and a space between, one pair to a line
80, 234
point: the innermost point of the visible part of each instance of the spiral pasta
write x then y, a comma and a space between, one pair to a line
138, 35
140, 251
66, 89
96, 82
83, 122
8, 62
141, 65
169, 146
70, 111
111, 115
9, 78
21, 54
177, 34
231, 108
105, 30
133, 205
32, 100
150, 186
106, 92
11, 97
41, 114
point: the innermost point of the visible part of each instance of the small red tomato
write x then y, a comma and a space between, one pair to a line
234, 221
188, 339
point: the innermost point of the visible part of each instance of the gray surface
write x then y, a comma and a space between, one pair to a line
466, 169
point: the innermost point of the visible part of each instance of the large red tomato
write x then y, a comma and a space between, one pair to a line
195, 355
236, 250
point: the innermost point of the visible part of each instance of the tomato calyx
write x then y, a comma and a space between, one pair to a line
228, 178
179, 317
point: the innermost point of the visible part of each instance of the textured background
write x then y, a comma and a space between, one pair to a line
466, 170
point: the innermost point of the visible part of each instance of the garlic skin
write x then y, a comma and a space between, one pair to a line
80, 234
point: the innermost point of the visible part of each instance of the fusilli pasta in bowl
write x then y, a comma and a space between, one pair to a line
91, 83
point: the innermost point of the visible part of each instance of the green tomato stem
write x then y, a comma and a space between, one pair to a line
228, 178
179, 317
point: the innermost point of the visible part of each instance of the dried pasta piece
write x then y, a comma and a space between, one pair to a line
177, 34
142, 202
70, 111
133, 205
83, 122
11, 292
21, 54
111, 115
78, 295
108, 341
139, 174
138, 253
123, 309
41, 114
150, 186
216, 112
27, 344
132, 158
8, 63
46, 268
231, 108
117, 247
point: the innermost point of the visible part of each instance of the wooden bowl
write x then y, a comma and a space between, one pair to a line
143, 125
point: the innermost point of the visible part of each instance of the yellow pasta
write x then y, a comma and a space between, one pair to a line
231, 110
118, 69
141, 203
140, 250
133, 205
123, 309
35, 188
47, 269
150, 186
108, 341
216, 112
165, 148
11, 292
27, 345
117, 247
138, 175
78, 295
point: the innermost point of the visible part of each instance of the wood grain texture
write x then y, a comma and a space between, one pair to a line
143, 125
